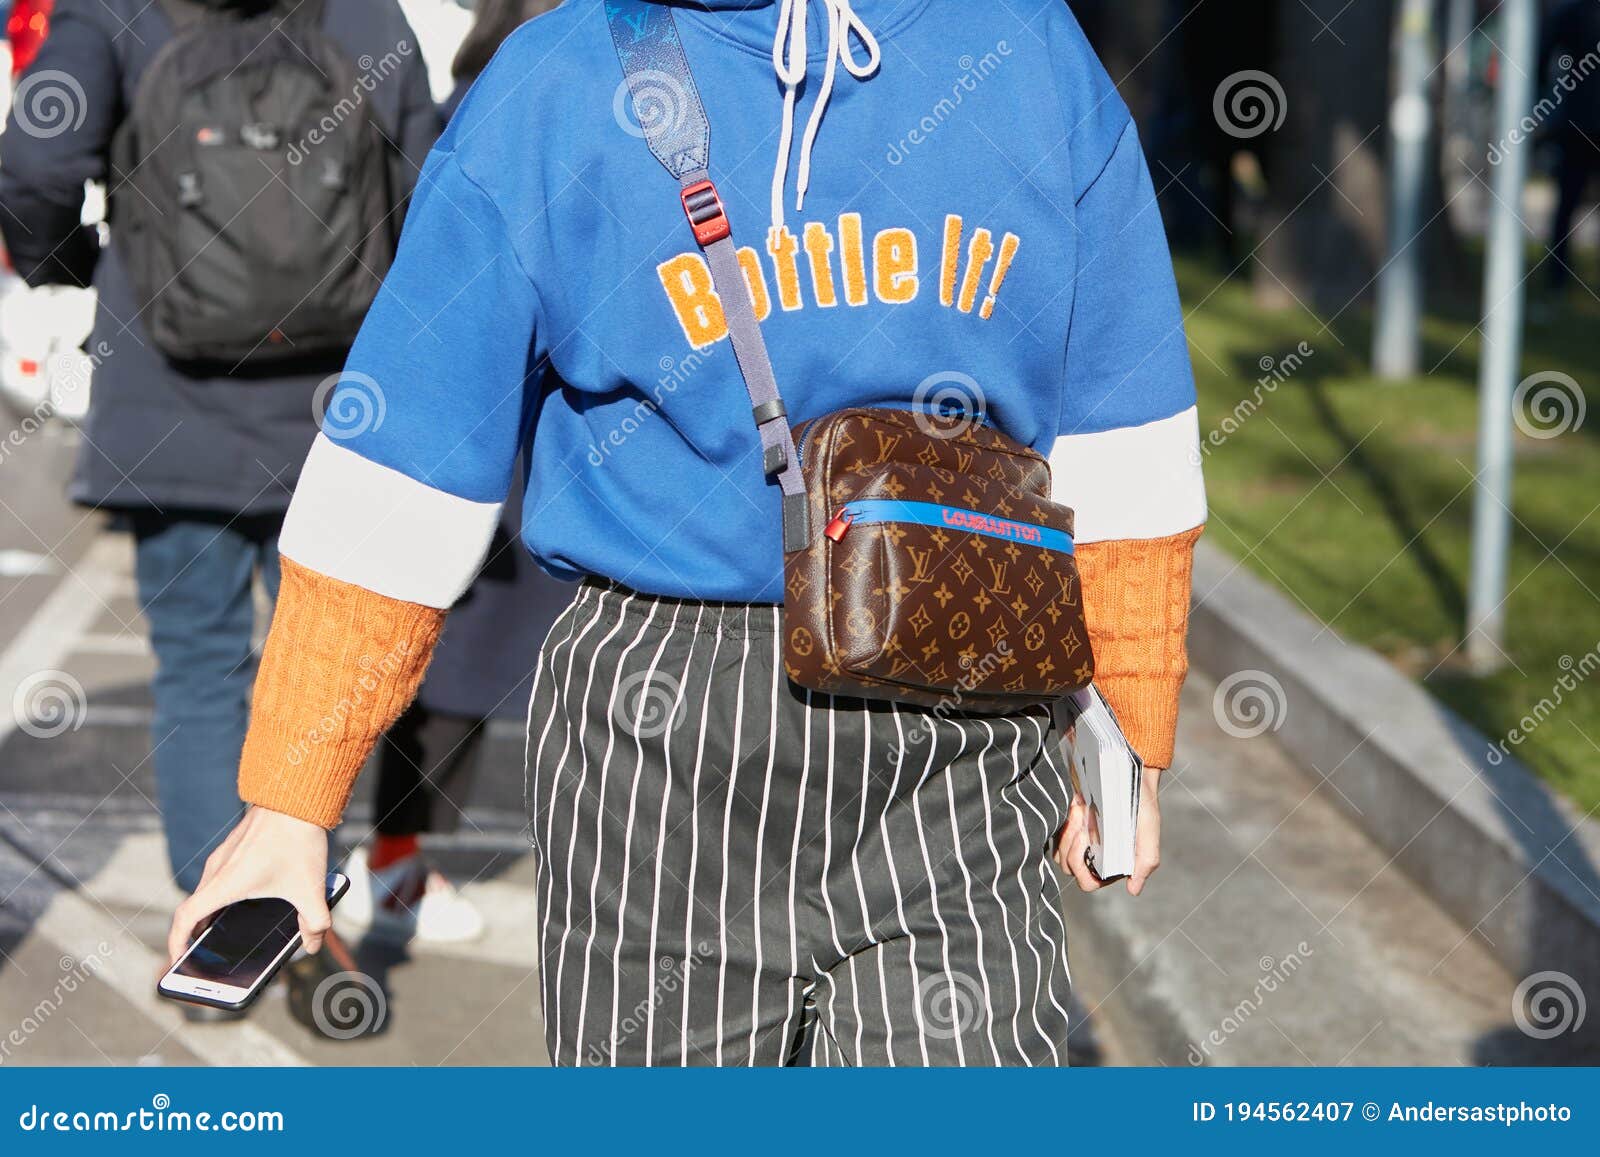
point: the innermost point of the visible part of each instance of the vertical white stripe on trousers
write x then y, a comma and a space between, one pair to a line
972, 912
933, 890
530, 759
994, 884
827, 866
861, 892
727, 833
1030, 930
628, 837
577, 799
1049, 747
694, 842
827, 838
661, 846
633, 811
550, 821
599, 823
899, 898
794, 872
1049, 882
819, 1048
827, 872
761, 841
530, 774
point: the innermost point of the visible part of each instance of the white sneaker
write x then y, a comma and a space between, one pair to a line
407, 901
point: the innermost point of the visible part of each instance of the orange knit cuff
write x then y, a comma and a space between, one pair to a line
1136, 598
340, 665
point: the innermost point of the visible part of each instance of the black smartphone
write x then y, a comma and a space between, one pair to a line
241, 950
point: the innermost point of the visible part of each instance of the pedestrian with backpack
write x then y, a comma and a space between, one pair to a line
842, 346
257, 155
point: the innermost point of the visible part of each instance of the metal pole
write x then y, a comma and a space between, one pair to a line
1397, 336
1502, 336
1462, 153
1458, 25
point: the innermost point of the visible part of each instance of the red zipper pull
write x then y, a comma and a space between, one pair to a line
841, 523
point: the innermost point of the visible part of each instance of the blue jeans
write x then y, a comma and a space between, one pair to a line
194, 572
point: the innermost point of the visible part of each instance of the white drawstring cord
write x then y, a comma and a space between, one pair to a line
789, 62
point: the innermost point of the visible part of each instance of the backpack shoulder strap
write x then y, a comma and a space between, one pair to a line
673, 119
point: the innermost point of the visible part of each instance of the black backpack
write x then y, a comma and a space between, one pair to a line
252, 197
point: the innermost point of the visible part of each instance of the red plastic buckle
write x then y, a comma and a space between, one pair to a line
840, 524
703, 207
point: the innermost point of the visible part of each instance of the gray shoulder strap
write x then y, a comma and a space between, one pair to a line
673, 119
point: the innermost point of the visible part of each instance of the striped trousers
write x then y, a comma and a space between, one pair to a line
735, 871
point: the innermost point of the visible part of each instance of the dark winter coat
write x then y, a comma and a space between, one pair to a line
156, 436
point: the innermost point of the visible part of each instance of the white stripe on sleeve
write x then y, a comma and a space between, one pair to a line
1137, 482
363, 523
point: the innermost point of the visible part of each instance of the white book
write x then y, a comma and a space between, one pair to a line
1107, 771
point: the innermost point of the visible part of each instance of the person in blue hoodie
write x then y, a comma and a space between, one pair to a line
930, 196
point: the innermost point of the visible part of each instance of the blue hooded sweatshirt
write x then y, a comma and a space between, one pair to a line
968, 219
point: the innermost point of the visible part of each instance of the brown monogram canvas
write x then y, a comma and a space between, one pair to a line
940, 614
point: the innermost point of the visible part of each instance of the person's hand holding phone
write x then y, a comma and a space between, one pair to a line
267, 854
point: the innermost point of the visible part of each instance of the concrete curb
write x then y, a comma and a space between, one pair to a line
1488, 841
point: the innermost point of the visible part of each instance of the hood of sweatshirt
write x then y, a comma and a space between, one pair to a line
805, 37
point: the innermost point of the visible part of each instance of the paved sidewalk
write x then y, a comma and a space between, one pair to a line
85, 894
1277, 933
1263, 876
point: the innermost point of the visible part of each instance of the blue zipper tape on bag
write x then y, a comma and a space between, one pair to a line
868, 511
